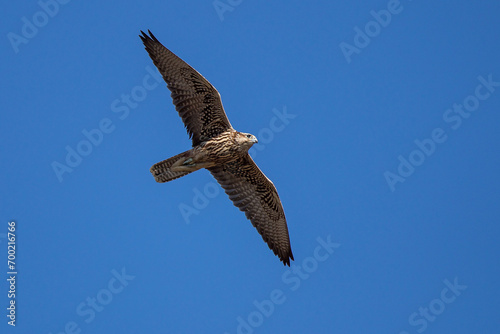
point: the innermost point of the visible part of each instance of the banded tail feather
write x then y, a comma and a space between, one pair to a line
168, 170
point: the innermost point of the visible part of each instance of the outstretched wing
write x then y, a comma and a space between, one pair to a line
252, 192
196, 100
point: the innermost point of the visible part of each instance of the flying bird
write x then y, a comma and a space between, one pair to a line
219, 148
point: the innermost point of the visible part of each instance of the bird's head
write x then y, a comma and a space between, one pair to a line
246, 140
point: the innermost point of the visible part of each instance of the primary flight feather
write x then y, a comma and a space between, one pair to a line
218, 148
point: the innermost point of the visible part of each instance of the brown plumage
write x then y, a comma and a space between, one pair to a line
218, 148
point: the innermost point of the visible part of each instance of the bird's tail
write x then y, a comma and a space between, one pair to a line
174, 167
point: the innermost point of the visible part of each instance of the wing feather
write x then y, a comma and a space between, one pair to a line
253, 193
195, 99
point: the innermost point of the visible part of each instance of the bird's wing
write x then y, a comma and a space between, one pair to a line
252, 192
197, 101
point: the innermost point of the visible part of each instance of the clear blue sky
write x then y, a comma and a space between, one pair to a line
378, 124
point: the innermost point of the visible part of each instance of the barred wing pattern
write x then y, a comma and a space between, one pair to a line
197, 101
252, 192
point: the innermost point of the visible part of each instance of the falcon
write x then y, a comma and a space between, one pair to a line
219, 148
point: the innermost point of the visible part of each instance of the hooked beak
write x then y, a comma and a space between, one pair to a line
254, 140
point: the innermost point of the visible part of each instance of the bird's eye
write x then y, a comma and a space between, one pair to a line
249, 136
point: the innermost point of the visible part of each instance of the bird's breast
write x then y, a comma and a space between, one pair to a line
223, 148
